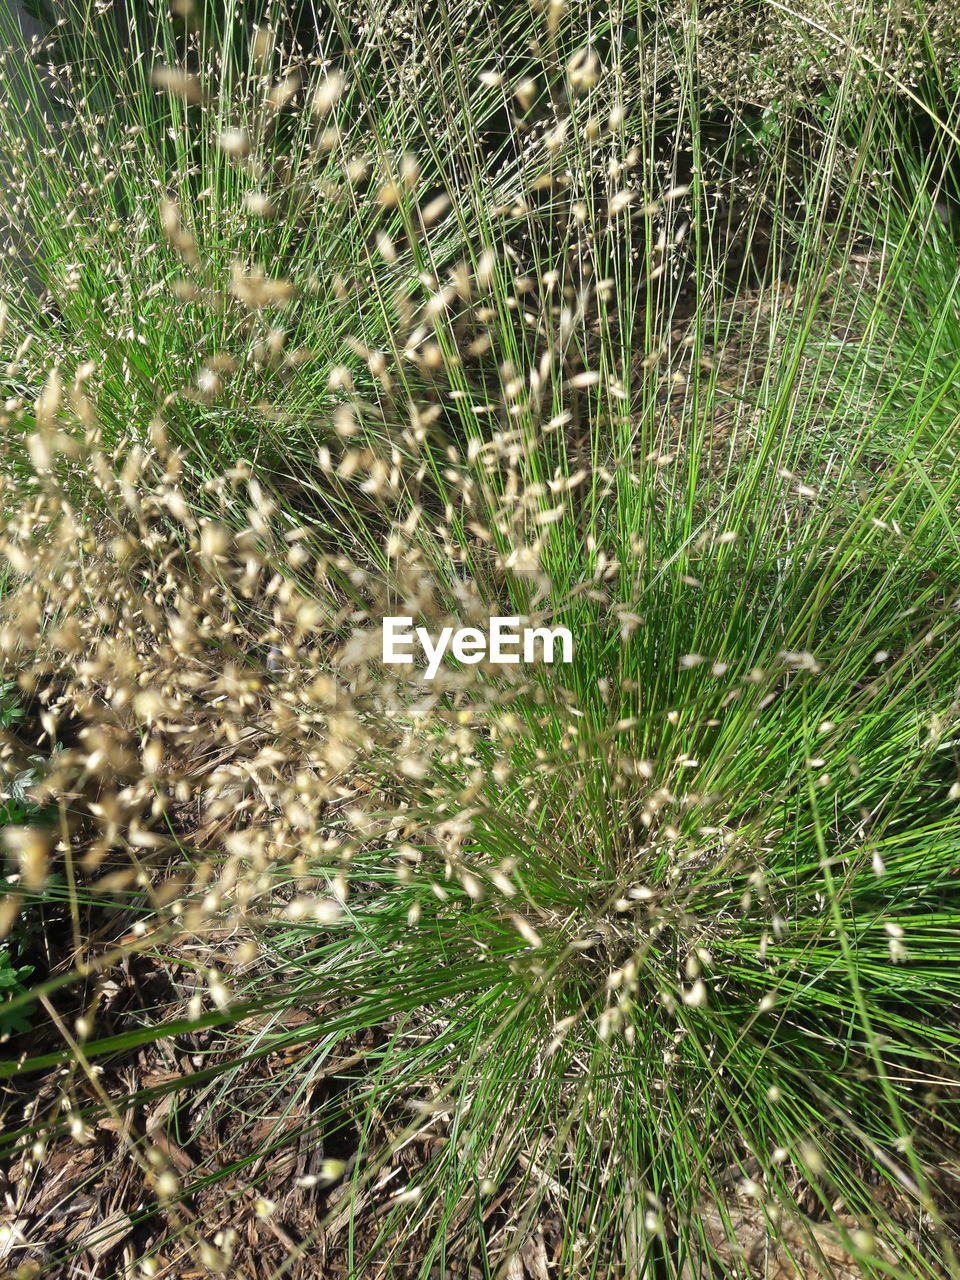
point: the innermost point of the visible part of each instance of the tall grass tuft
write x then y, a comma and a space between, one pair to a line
638, 965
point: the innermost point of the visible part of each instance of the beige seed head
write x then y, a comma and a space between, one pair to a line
326, 93
178, 83
525, 93
259, 204
234, 142
695, 997
262, 45
284, 92
31, 848
583, 70
811, 1156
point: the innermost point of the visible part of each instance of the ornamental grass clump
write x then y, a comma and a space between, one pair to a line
627, 929
636, 964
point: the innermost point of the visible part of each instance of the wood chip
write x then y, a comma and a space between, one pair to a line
109, 1233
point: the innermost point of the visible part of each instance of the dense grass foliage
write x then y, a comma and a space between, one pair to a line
638, 965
